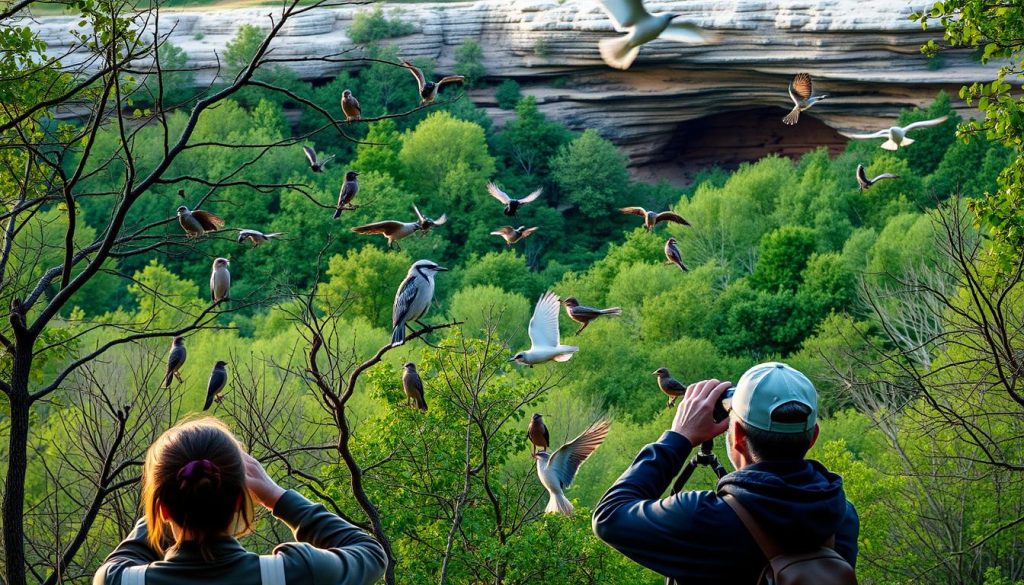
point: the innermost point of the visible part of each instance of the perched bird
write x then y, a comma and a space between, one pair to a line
350, 106
669, 385
673, 255
545, 344
413, 297
256, 237
197, 223
800, 91
865, 182
583, 314
640, 26
413, 386
557, 470
315, 164
220, 280
652, 218
347, 193
897, 135
513, 235
511, 205
218, 379
426, 223
537, 432
175, 359
429, 89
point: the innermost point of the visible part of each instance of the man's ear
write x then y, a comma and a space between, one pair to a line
739, 436
814, 437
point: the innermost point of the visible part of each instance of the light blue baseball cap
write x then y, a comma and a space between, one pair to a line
765, 387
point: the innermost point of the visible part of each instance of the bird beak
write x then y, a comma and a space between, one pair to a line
441, 269
654, 373
511, 359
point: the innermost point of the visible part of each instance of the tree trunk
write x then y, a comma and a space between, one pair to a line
14, 493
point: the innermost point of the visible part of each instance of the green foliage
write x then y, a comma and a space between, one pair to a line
508, 94
241, 49
591, 172
781, 257
369, 26
365, 281
506, 270
469, 62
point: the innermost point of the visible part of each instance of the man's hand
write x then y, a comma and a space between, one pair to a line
693, 417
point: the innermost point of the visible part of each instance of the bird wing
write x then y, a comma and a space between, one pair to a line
801, 86
414, 381
925, 123
209, 221
884, 176
532, 196
415, 73
544, 323
585, 311
419, 216
403, 298
310, 154
684, 32
441, 220
347, 192
249, 234
273, 235
634, 211
448, 79
497, 193
566, 461
879, 134
671, 216
175, 358
217, 380
380, 227
624, 13
528, 231
674, 385
862, 177
355, 104
503, 231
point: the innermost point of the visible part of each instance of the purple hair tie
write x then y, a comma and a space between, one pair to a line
198, 469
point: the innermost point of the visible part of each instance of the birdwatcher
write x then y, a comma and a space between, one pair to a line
199, 488
777, 504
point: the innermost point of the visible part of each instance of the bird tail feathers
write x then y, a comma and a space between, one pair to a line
617, 52
558, 504
337, 213
167, 379
209, 402
421, 403
792, 117
398, 334
890, 145
612, 311
566, 352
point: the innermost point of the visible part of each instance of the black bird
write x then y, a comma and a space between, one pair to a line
537, 432
347, 193
511, 205
865, 182
583, 314
315, 164
175, 359
413, 386
669, 385
429, 89
218, 379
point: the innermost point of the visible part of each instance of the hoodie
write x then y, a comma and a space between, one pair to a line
695, 538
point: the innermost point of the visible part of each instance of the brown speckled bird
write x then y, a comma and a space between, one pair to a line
512, 235
429, 89
413, 387
197, 223
537, 432
669, 385
350, 106
800, 91
652, 218
673, 255
583, 314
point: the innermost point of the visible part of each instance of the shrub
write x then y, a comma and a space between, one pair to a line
370, 26
508, 94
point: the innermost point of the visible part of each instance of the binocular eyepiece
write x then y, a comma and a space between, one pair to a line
724, 405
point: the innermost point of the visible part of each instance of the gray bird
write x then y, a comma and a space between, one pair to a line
175, 359
897, 135
350, 106
583, 314
197, 223
537, 433
347, 193
255, 237
413, 297
800, 91
557, 470
218, 379
413, 386
673, 255
512, 235
426, 223
512, 205
640, 26
220, 280
652, 218
316, 164
545, 341
428, 89
865, 182
397, 230
669, 385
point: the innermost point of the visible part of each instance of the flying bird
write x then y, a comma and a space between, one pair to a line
218, 379
513, 235
197, 223
537, 433
175, 359
669, 385
397, 230
673, 255
800, 91
315, 164
897, 135
583, 314
220, 280
413, 386
640, 26
256, 237
652, 218
429, 89
426, 223
350, 106
347, 193
865, 182
511, 205
557, 470
545, 344
413, 297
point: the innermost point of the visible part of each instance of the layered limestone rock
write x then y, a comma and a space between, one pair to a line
863, 53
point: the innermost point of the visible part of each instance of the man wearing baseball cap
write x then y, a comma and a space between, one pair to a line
695, 537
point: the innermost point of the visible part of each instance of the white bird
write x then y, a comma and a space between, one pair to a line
800, 91
640, 26
413, 297
865, 182
545, 344
897, 135
256, 237
557, 470
220, 280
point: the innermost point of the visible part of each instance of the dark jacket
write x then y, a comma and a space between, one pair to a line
329, 550
694, 537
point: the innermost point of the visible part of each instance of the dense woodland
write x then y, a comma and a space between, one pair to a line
899, 303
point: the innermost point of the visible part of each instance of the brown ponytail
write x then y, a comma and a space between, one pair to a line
194, 470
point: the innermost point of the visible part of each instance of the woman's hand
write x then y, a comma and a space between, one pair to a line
264, 490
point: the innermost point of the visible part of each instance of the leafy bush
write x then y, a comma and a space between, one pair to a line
469, 61
371, 26
508, 94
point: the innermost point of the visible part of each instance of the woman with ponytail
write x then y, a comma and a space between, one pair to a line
198, 491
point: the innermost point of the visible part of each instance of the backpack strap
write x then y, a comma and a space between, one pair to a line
766, 544
271, 570
134, 575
